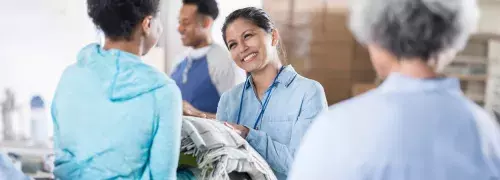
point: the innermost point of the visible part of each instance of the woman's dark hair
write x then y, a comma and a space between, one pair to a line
119, 18
258, 17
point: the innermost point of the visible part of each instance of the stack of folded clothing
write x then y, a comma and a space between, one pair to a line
220, 151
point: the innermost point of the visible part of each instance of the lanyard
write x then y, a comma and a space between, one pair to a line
266, 100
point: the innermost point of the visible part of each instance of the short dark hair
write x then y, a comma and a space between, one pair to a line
205, 7
258, 17
119, 18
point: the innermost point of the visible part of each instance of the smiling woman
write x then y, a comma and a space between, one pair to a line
247, 23
273, 128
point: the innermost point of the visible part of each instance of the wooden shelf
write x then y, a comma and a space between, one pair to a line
476, 97
470, 77
471, 60
485, 36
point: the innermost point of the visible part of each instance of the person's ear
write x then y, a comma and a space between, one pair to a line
146, 25
207, 22
275, 37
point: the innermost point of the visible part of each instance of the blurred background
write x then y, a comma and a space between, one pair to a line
41, 38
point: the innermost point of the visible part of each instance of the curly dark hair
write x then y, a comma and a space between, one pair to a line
119, 18
205, 7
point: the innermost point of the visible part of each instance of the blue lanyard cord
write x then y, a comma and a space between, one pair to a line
266, 101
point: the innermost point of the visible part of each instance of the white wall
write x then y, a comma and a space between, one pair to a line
38, 40
174, 45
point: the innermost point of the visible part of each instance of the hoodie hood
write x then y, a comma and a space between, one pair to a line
123, 75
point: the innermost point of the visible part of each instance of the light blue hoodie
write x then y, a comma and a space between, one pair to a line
115, 118
8, 171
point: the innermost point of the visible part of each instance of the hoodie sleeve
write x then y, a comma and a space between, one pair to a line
165, 148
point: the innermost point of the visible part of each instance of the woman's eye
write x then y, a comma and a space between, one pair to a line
247, 36
232, 45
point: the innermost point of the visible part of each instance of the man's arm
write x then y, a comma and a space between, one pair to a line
223, 71
190, 110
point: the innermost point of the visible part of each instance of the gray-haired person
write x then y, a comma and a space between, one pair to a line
417, 124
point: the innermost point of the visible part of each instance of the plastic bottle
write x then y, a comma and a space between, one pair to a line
39, 122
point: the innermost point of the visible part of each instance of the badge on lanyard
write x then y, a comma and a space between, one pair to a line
264, 105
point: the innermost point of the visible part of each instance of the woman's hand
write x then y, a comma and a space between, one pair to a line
241, 130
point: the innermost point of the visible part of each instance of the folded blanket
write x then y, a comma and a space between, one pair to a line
220, 151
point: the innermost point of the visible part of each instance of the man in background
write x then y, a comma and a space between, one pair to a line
207, 70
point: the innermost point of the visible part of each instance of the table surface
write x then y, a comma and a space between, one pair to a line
27, 150
24, 148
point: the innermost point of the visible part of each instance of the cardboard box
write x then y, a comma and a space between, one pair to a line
337, 90
361, 52
280, 16
320, 45
327, 74
308, 6
337, 84
474, 48
367, 76
362, 65
322, 36
333, 56
337, 23
271, 6
307, 19
360, 88
337, 6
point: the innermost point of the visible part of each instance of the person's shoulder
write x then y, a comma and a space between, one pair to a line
360, 104
73, 73
217, 48
180, 58
165, 84
219, 55
305, 82
489, 130
168, 91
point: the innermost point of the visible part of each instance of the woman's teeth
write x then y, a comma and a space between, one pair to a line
250, 56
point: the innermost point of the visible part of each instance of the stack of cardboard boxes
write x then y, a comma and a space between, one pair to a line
320, 46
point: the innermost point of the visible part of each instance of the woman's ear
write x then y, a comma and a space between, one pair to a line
275, 36
146, 25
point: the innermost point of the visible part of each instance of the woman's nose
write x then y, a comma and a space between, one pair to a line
243, 47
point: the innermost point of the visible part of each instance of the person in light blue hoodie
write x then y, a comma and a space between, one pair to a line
274, 107
8, 170
417, 125
114, 116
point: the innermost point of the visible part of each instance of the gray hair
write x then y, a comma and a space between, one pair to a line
414, 28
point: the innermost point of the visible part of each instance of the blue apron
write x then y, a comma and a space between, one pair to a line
196, 85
